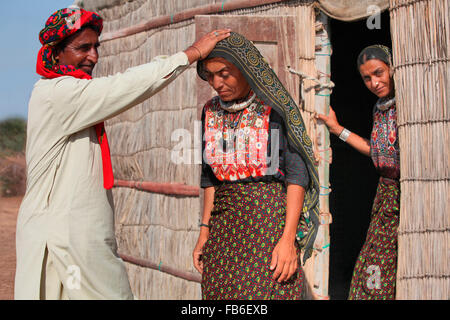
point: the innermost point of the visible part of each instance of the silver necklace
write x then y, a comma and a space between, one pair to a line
229, 129
385, 103
233, 106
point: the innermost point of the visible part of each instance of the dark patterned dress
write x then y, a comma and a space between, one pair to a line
249, 202
374, 276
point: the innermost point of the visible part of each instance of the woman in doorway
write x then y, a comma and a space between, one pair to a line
374, 275
258, 213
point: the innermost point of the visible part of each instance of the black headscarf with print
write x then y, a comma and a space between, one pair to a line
264, 82
376, 51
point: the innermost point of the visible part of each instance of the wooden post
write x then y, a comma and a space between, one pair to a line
313, 68
323, 155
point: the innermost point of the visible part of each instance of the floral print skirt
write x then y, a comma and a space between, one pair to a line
375, 271
246, 223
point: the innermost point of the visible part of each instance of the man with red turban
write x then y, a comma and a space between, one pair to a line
66, 247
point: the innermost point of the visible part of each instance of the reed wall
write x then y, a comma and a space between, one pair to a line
421, 51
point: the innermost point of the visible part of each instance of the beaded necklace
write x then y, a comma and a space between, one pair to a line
229, 134
231, 120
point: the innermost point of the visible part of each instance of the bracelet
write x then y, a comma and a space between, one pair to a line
344, 135
204, 225
198, 50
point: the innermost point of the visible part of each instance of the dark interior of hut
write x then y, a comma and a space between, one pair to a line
353, 178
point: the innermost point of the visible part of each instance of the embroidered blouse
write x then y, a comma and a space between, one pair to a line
238, 147
384, 146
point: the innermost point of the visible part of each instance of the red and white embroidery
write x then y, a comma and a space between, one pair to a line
245, 152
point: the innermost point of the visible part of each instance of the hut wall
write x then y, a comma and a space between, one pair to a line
151, 226
160, 229
421, 51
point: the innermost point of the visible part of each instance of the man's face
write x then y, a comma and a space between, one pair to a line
81, 51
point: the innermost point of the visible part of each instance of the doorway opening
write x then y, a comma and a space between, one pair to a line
352, 175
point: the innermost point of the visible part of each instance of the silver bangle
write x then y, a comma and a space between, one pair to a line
344, 135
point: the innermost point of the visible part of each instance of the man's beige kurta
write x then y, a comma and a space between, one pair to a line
66, 211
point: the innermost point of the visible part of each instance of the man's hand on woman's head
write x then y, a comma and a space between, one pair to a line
201, 48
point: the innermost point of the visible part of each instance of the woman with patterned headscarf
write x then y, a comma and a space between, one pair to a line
65, 241
374, 275
260, 181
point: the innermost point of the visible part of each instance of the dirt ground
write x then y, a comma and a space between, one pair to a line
8, 216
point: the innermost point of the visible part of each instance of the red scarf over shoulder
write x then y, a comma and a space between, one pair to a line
60, 25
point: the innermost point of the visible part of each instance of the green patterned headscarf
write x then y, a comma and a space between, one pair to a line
265, 83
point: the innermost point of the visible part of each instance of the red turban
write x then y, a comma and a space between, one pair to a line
62, 24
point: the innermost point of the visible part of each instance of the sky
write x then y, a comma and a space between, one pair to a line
21, 21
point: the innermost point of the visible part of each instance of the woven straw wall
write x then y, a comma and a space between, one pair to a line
120, 14
155, 227
421, 51
159, 228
